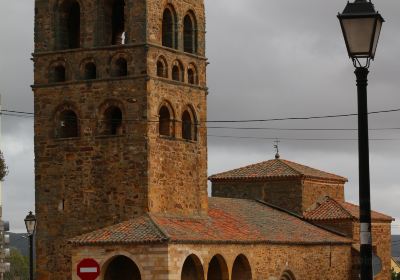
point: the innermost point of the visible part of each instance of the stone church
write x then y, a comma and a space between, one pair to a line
120, 97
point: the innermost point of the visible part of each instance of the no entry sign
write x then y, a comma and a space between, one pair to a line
88, 269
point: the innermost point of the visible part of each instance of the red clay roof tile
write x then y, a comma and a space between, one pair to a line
275, 169
228, 221
330, 209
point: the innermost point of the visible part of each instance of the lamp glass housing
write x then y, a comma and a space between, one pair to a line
30, 223
361, 27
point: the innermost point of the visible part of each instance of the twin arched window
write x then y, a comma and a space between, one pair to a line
166, 123
170, 30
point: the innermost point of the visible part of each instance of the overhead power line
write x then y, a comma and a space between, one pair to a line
9, 112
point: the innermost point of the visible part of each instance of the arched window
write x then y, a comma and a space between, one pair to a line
67, 124
192, 75
120, 67
165, 125
177, 71
189, 34
217, 269
169, 29
122, 268
162, 68
90, 71
69, 25
287, 275
112, 121
57, 74
192, 269
189, 129
241, 269
114, 22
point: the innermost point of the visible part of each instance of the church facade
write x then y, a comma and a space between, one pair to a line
120, 96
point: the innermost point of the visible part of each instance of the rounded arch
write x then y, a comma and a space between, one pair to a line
162, 67
192, 77
190, 32
217, 269
287, 275
88, 69
68, 28
111, 117
57, 71
119, 65
177, 71
192, 269
66, 121
166, 120
189, 124
121, 267
241, 269
169, 28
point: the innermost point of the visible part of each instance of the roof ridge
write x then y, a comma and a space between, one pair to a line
341, 206
151, 218
284, 161
319, 170
302, 218
239, 168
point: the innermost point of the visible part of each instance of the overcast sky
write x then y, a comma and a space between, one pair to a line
268, 59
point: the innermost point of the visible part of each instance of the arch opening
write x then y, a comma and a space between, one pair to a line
67, 126
287, 275
122, 268
189, 130
169, 30
217, 269
189, 35
112, 121
177, 73
192, 269
90, 71
165, 122
192, 76
241, 269
161, 69
57, 74
114, 22
70, 25
120, 67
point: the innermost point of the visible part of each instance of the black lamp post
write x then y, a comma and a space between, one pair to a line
30, 223
361, 26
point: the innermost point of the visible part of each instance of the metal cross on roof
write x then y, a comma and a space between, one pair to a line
276, 146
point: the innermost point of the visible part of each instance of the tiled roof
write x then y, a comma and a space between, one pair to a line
228, 221
275, 169
330, 209
139, 230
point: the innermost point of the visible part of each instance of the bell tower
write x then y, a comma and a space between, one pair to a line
120, 105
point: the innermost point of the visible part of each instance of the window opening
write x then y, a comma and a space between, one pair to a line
169, 36
165, 123
191, 77
187, 126
90, 71
58, 74
161, 70
176, 73
70, 25
118, 22
189, 35
113, 121
121, 67
68, 124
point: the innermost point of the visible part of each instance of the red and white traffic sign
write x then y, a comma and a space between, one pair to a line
88, 269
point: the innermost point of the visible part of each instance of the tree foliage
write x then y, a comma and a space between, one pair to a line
3, 167
19, 266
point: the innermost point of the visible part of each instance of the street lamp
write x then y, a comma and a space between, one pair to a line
30, 223
361, 26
